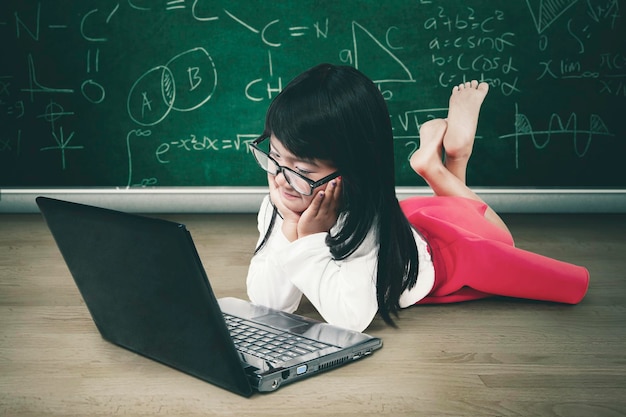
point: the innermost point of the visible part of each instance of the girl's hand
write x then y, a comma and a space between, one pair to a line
290, 218
323, 211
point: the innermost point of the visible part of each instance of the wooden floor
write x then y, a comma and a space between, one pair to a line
496, 357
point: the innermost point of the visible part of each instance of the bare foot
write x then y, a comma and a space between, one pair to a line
465, 102
428, 158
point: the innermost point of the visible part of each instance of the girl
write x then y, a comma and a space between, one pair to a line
332, 229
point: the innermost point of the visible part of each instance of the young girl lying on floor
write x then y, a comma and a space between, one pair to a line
332, 228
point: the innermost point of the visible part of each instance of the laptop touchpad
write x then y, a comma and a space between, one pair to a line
280, 321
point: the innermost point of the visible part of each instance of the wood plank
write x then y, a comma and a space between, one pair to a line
494, 357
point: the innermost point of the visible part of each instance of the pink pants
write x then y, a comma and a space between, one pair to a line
474, 259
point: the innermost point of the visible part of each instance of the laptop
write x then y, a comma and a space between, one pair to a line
147, 291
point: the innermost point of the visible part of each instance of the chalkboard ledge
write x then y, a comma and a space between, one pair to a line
248, 199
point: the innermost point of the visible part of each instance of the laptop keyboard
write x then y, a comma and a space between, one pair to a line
270, 345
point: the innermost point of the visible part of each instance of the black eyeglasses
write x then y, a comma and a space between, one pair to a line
298, 182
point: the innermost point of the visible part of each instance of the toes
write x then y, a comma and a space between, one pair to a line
474, 84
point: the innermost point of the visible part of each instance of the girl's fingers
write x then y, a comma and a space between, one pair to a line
333, 194
316, 204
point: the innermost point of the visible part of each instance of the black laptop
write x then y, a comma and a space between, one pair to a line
147, 291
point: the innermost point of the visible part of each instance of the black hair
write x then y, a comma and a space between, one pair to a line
336, 113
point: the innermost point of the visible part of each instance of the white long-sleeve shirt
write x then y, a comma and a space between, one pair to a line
342, 291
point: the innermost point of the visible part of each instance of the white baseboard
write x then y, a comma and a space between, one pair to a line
248, 199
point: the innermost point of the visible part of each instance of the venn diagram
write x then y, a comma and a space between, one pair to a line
184, 83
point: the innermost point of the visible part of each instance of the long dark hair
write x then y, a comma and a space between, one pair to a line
336, 113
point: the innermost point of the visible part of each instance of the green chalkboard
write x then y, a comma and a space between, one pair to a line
127, 93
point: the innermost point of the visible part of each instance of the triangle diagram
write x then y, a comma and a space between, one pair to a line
381, 64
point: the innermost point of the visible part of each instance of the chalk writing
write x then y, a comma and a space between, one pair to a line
588, 59
269, 31
143, 93
546, 12
204, 143
36, 87
256, 91
14, 109
62, 144
361, 35
411, 121
471, 43
601, 11
129, 154
542, 138
157, 91
11, 144
53, 112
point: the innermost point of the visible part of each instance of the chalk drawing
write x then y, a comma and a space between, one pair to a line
546, 12
581, 138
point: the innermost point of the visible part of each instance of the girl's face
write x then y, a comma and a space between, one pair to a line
313, 169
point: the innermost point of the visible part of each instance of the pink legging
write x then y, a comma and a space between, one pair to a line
474, 259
